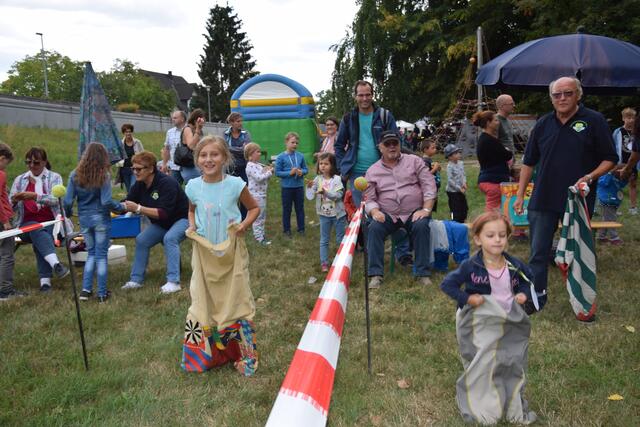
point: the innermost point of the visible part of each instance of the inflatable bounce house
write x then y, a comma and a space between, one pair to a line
273, 105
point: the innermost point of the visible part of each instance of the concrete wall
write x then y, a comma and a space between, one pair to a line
34, 112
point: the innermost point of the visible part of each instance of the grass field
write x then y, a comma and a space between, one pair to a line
134, 341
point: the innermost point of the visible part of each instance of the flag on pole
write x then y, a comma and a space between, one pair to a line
96, 123
576, 255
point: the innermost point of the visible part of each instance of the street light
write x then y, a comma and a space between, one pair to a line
209, 101
44, 65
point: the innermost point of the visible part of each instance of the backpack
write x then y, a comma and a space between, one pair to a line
183, 155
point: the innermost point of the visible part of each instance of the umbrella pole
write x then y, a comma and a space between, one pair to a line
73, 283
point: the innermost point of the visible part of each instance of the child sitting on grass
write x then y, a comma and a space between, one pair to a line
492, 327
258, 176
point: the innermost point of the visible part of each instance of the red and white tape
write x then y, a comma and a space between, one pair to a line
27, 228
305, 393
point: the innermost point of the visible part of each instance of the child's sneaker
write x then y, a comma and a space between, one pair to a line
616, 242
170, 287
633, 211
324, 267
264, 242
45, 287
85, 295
104, 298
11, 295
131, 285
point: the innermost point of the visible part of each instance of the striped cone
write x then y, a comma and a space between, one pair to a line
305, 393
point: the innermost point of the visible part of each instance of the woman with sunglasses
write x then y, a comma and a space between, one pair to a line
160, 198
33, 202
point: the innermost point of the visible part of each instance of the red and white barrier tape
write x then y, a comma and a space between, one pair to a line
305, 393
26, 229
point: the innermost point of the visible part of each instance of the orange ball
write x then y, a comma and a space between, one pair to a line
360, 183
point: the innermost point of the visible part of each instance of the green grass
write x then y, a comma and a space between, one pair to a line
134, 341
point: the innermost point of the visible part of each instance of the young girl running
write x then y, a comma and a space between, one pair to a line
328, 190
219, 327
490, 317
90, 185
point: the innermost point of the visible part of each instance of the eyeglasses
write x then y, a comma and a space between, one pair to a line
391, 142
32, 162
138, 170
560, 95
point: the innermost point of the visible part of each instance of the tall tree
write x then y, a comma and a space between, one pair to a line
226, 61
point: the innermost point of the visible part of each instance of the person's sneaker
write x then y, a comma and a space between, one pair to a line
375, 282
633, 211
616, 242
60, 270
424, 281
264, 242
300, 232
287, 234
406, 260
131, 285
104, 298
85, 295
324, 267
602, 239
170, 287
45, 287
12, 294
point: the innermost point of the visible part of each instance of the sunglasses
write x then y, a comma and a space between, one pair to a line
391, 142
565, 94
32, 162
138, 170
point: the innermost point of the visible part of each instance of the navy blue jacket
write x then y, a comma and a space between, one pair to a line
473, 274
346, 145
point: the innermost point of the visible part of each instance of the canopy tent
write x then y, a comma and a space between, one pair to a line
273, 105
603, 65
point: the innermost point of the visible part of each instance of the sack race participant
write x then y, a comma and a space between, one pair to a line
219, 326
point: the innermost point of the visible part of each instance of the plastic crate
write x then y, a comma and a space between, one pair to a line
125, 226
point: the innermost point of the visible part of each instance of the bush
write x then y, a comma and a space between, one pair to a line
128, 108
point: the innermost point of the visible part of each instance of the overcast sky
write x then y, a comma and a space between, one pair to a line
290, 37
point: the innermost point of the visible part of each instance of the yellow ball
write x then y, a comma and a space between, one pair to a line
59, 190
472, 59
360, 183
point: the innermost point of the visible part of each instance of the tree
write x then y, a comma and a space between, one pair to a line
325, 105
26, 77
226, 61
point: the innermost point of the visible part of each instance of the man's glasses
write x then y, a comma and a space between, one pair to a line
32, 162
391, 142
138, 170
565, 94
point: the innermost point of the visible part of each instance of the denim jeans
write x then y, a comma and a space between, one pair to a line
95, 229
42, 244
419, 233
326, 223
542, 227
177, 176
189, 173
171, 239
292, 196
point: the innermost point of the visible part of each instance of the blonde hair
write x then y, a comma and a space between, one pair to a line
490, 216
291, 135
218, 143
249, 149
628, 112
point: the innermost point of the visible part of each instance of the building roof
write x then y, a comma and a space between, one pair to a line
178, 84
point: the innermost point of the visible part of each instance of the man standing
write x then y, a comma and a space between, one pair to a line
359, 135
400, 194
568, 146
179, 118
505, 106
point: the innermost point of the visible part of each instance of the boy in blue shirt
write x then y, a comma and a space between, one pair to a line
609, 195
291, 168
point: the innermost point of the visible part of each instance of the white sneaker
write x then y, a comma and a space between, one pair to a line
633, 211
170, 287
131, 285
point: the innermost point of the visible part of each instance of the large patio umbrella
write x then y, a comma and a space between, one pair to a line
603, 65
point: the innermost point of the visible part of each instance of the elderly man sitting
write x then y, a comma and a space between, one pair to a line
400, 194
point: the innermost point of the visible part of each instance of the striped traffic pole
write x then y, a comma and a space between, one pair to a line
305, 393
26, 229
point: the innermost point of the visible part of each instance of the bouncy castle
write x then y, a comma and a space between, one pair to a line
273, 105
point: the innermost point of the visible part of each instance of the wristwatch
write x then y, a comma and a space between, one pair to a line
139, 208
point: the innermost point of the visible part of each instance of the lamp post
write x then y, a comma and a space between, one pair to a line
209, 101
44, 66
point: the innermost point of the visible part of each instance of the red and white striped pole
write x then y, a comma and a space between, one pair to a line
305, 393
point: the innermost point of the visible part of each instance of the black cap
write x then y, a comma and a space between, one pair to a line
389, 135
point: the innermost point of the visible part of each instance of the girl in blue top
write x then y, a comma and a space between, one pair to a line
90, 184
291, 169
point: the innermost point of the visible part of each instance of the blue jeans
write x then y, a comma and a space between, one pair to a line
177, 175
295, 197
171, 239
42, 244
419, 233
189, 173
326, 223
542, 227
95, 229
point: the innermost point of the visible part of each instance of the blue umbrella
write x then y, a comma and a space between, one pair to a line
603, 65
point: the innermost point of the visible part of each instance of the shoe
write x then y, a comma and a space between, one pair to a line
45, 287
12, 294
104, 298
85, 295
287, 234
264, 242
324, 267
60, 270
301, 232
633, 211
406, 260
424, 280
131, 285
170, 287
616, 242
375, 282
